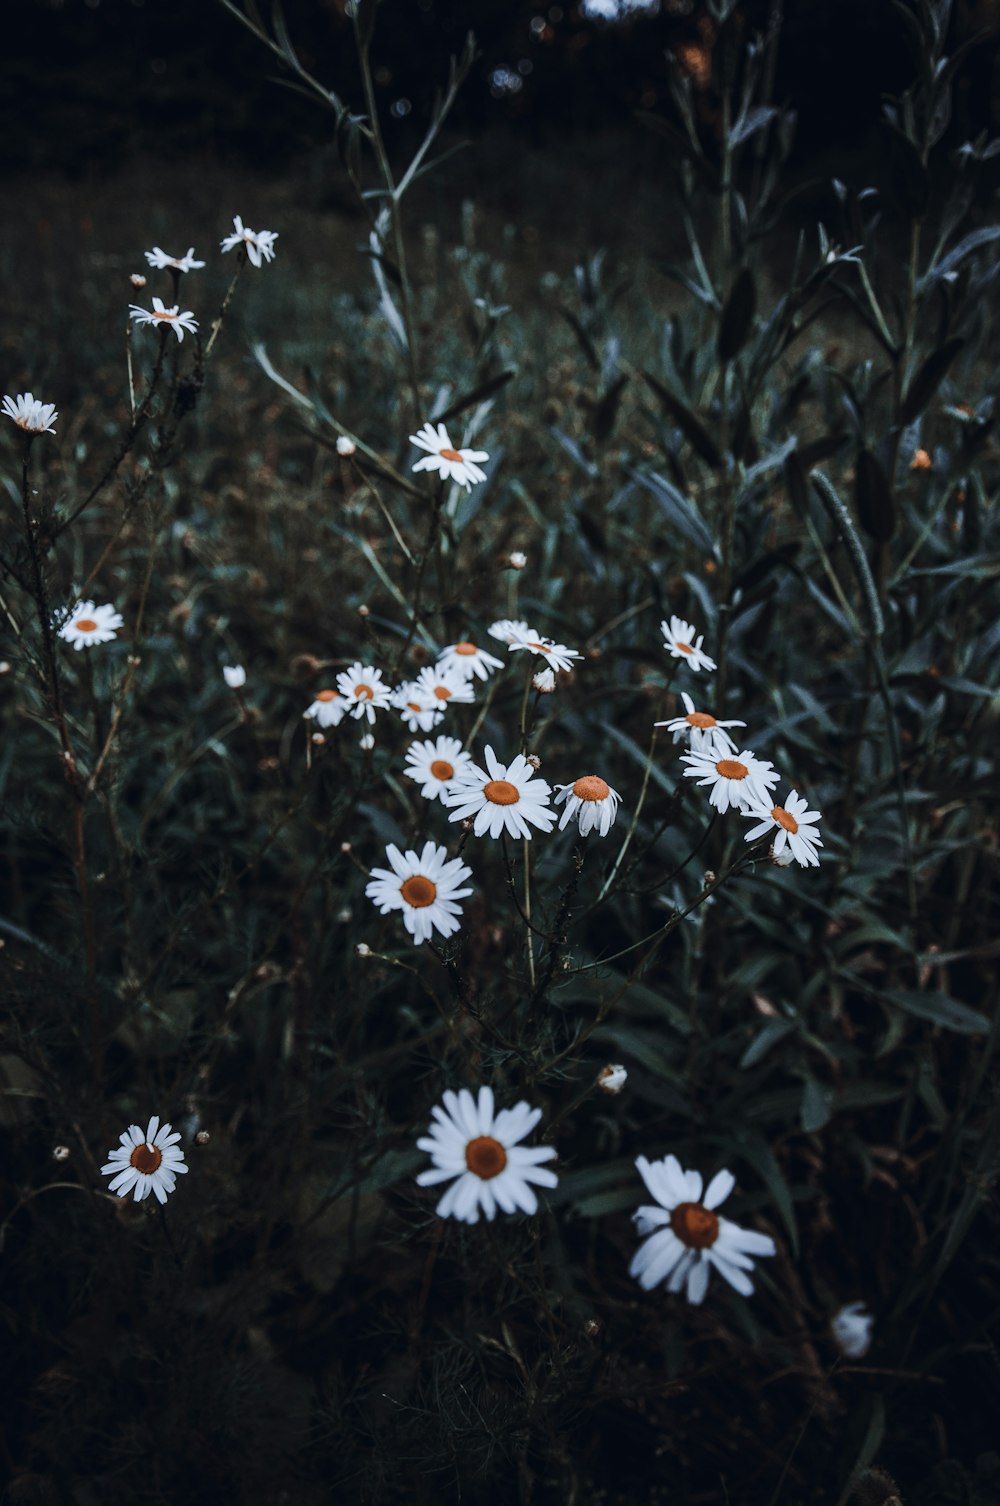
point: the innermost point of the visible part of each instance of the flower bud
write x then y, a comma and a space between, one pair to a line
852, 1330
544, 681
534, 760
234, 675
516, 560
202, 1137
612, 1078
345, 446
61, 1153
137, 280
362, 950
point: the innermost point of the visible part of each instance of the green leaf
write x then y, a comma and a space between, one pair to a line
928, 379
940, 1009
484, 390
692, 428
816, 1106
737, 316
873, 498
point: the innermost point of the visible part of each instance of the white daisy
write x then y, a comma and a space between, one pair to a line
234, 675
556, 655
679, 639
149, 1162
30, 413
468, 660
87, 624
165, 318
591, 801
736, 780
687, 1236
852, 1330
452, 464
477, 1150
705, 733
425, 887
436, 765
419, 711
362, 687
445, 686
259, 244
160, 260
506, 629
544, 682
328, 709
507, 798
793, 823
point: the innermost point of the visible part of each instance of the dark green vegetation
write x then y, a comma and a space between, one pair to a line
180, 916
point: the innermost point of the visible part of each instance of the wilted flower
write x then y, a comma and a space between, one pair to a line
424, 886
612, 1078
478, 1151
679, 639
506, 798
259, 244
328, 709
591, 801
451, 464
165, 318
544, 682
149, 1162
30, 413
88, 624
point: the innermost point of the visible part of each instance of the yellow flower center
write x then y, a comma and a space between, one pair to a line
731, 768
591, 787
326, 695
418, 891
85, 625
449, 454
501, 792
785, 818
364, 693
700, 719
442, 693
485, 1157
146, 1158
466, 648
442, 769
695, 1226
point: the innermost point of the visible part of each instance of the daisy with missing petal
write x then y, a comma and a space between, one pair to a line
556, 655
468, 660
793, 826
160, 260
679, 640
442, 457
502, 798
737, 779
705, 733
687, 1236
30, 413
87, 625
419, 711
165, 318
444, 686
363, 690
149, 1162
424, 886
258, 244
328, 709
436, 765
478, 1151
506, 629
591, 801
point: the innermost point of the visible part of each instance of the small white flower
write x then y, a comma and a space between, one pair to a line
705, 733
506, 798
419, 711
345, 446
137, 280
30, 413
544, 682
687, 1236
149, 1162
259, 244
466, 659
87, 624
328, 709
517, 560
556, 655
612, 1079
234, 675
736, 780
436, 765
363, 690
444, 686
159, 259
782, 859
852, 1330
451, 464
424, 886
165, 318
793, 823
478, 1151
679, 639
506, 629
591, 801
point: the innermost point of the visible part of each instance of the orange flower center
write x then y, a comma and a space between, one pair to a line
684, 648
364, 693
466, 648
442, 693
591, 787
146, 1158
785, 818
326, 695
541, 648
442, 769
418, 891
695, 1226
485, 1157
414, 706
700, 719
165, 314
85, 625
449, 454
731, 768
501, 792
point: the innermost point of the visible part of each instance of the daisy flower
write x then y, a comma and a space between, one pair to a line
419, 711
506, 629
506, 798
362, 687
444, 685
166, 318
436, 765
793, 824
679, 639
852, 1330
425, 887
468, 660
234, 675
30, 413
591, 801
706, 734
328, 709
736, 781
149, 1162
87, 624
160, 260
478, 1151
556, 655
687, 1236
442, 457
259, 244
544, 682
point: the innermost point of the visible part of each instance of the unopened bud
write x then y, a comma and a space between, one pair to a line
782, 858
591, 1329
921, 461
534, 760
612, 1078
202, 1137
362, 950
317, 739
367, 743
345, 847
60, 1153
364, 611
4, 667
345, 446
137, 280
516, 560
234, 675
544, 681
710, 877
